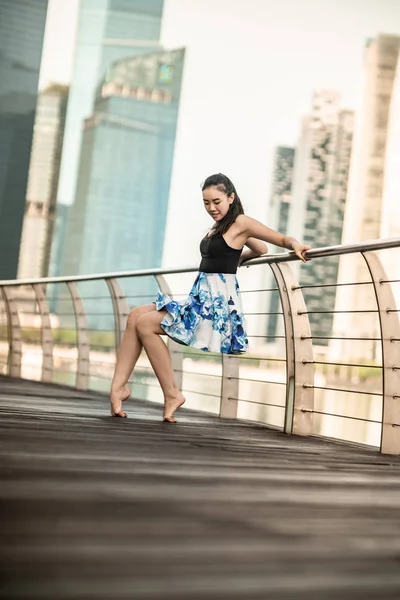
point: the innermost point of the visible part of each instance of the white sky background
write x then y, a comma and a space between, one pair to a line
251, 67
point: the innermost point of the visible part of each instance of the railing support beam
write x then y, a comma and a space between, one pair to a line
229, 387
47, 336
82, 339
14, 332
299, 374
120, 309
390, 336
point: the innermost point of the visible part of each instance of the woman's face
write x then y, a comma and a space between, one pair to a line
216, 202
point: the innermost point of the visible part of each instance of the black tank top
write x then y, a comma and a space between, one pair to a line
217, 256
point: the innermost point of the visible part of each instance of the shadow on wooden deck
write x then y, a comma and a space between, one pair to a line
109, 509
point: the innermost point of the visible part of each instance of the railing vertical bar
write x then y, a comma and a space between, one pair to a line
289, 345
46, 334
300, 371
14, 333
229, 387
390, 330
120, 309
82, 338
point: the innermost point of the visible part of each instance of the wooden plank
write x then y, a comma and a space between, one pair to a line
95, 507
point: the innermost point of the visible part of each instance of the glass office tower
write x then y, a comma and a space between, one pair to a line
21, 38
118, 219
108, 30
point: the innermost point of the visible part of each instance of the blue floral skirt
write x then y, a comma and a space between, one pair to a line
210, 318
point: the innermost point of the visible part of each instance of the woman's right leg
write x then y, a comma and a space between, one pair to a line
128, 354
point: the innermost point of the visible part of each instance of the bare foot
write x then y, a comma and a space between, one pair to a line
171, 404
117, 397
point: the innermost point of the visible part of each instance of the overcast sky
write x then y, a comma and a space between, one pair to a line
251, 67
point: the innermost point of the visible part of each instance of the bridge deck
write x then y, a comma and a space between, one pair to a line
94, 507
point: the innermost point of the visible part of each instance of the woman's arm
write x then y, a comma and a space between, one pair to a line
256, 248
249, 228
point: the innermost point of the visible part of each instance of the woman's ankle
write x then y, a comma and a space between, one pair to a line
118, 387
173, 393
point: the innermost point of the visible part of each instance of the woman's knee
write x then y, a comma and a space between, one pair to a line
143, 325
149, 323
137, 312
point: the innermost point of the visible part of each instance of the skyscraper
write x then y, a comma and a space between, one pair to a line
118, 219
318, 198
279, 210
41, 196
21, 38
108, 30
390, 222
381, 57
363, 218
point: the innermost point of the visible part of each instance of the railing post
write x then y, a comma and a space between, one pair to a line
175, 349
14, 333
120, 309
82, 338
47, 337
229, 387
390, 341
299, 353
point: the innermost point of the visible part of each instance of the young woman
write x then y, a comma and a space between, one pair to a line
211, 318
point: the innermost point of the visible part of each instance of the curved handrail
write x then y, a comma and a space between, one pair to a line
298, 406
324, 252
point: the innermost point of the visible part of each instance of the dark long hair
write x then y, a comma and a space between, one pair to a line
224, 184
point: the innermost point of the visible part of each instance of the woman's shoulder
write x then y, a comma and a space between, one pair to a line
242, 222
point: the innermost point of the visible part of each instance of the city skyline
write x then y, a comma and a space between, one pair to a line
291, 50
253, 95
119, 142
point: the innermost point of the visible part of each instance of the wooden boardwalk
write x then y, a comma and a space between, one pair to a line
109, 509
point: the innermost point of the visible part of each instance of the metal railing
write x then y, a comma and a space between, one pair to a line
68, 329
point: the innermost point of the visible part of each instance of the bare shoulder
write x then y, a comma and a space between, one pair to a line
249, 227
243, 222
246, 227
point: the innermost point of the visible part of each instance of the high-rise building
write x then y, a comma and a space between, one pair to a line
381, 57
117, 221
318, 199
364, 209
41, 195
108, 30
21, 38
279, 215
390, 221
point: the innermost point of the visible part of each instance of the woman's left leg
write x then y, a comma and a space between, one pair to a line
149, 331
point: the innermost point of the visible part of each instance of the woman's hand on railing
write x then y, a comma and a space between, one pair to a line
300, 249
